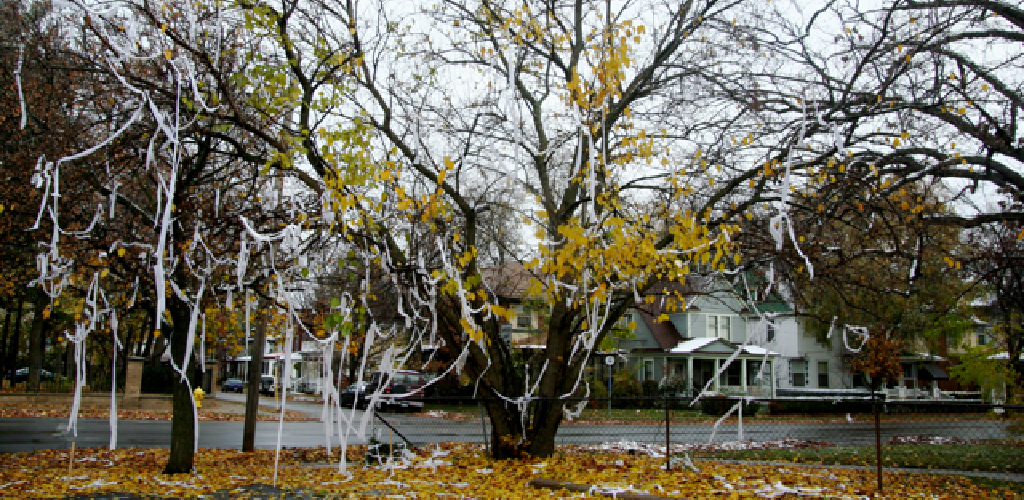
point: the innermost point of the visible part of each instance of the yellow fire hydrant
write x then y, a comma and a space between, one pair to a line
198, 393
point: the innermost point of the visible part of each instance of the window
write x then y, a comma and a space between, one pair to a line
719, 326
753, 369
823, 374
769, 332
982, 339
798, 372
646, 371
523, 321
859, 380
733, 373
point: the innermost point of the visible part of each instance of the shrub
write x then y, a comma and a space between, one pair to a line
598, 391
718, 406
818, 407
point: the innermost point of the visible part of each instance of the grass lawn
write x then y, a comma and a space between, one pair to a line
973, 457
590, 415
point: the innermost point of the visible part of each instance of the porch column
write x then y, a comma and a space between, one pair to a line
714, 375
771, 375
689, 376
743, 374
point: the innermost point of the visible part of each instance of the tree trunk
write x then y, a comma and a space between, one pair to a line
36, 344
129, 350
4, 367
506, 430
252, 386
546, 421
183, 435
353, 367
148, 346
15, 343
545, 414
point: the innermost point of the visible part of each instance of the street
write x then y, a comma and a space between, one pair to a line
27, 434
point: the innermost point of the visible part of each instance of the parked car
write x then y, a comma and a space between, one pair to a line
21, 375
349, 394
233, 385
402, 382
306, 385
268, 384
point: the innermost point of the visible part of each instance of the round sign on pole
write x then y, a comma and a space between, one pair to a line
609, 360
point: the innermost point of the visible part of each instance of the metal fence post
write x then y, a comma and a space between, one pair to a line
668, 439
483, 427
878, 444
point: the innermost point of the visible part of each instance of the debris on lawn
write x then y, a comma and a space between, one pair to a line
656, 450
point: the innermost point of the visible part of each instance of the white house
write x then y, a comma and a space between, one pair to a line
686, 333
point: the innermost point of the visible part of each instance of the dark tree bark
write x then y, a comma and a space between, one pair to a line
183, 435
36, 341
15, 342
148, 352
252, 385
4, 367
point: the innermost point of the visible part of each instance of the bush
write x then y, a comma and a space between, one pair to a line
157, 378
650, 389
718, 406
599, 391
823, 407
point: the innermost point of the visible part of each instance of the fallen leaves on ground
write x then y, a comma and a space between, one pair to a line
444, 470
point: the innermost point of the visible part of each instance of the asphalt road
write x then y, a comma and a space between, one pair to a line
27, 434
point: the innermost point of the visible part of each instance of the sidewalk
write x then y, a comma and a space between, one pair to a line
228, 406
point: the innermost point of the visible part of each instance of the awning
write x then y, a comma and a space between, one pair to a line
931, 372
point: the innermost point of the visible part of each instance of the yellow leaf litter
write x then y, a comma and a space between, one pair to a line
448, 471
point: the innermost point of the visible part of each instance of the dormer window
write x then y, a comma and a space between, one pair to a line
719, 326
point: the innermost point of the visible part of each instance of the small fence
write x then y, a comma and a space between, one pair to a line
970, 437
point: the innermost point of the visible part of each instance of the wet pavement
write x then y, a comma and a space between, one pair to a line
28, 434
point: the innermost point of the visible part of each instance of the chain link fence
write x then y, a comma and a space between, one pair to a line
969, 437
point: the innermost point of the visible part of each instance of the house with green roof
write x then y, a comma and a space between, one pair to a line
722, 335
